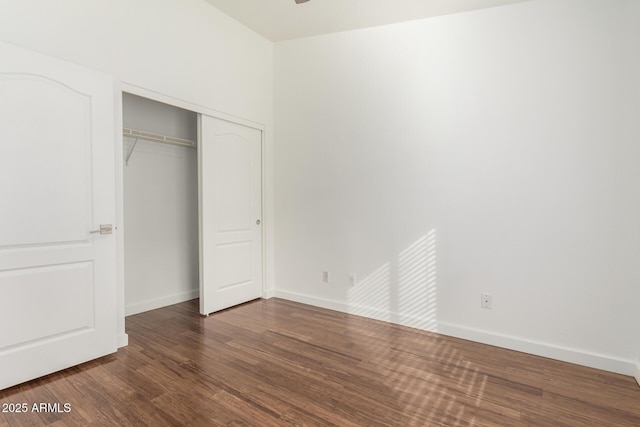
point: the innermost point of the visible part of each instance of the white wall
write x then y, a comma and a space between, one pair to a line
160, 208
492, 151
183, 49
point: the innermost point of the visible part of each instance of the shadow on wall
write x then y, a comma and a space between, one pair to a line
403, 290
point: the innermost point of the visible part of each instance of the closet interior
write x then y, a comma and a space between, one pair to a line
160, 204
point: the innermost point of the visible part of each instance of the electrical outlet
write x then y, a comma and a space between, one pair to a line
352, 280
325, 276
486, 301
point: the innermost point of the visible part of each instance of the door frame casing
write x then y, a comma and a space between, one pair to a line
133, 89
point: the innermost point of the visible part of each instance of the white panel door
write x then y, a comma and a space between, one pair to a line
229, 159
57, 182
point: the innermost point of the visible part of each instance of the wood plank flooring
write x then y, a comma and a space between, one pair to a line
279, 363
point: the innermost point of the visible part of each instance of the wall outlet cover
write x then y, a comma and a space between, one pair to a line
351, 280
486, 301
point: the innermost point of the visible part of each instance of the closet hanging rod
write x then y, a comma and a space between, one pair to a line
132, 133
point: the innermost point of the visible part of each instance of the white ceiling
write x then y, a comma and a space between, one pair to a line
279, 20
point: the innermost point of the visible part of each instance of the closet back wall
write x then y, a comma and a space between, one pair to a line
160, 208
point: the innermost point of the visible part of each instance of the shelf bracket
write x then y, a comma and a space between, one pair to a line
133, 146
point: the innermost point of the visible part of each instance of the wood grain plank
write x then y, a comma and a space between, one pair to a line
280, 363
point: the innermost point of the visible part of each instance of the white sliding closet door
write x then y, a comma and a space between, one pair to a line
229, 158
57, 178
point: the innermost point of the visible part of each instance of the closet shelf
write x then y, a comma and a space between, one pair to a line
158, 138
148, 136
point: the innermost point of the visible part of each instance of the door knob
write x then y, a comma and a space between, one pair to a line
257, 222
104, 229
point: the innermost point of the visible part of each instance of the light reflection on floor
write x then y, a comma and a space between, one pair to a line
404, 291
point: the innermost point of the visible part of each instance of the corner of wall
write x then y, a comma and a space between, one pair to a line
637, 372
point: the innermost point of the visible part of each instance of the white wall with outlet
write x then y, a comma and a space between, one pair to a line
492, 152
160, 208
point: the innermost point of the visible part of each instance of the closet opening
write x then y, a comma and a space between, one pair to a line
160, 179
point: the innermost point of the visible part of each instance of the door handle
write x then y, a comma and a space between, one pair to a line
257, 222
104, 229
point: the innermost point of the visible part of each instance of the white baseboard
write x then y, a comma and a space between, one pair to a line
360, 310
312, 300
592, 360
565, 354
268, 294
143, 306
637, 373
123, 340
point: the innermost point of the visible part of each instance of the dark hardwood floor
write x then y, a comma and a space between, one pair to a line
279, 363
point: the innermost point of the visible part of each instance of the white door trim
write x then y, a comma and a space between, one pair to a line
200, 109
176, 102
